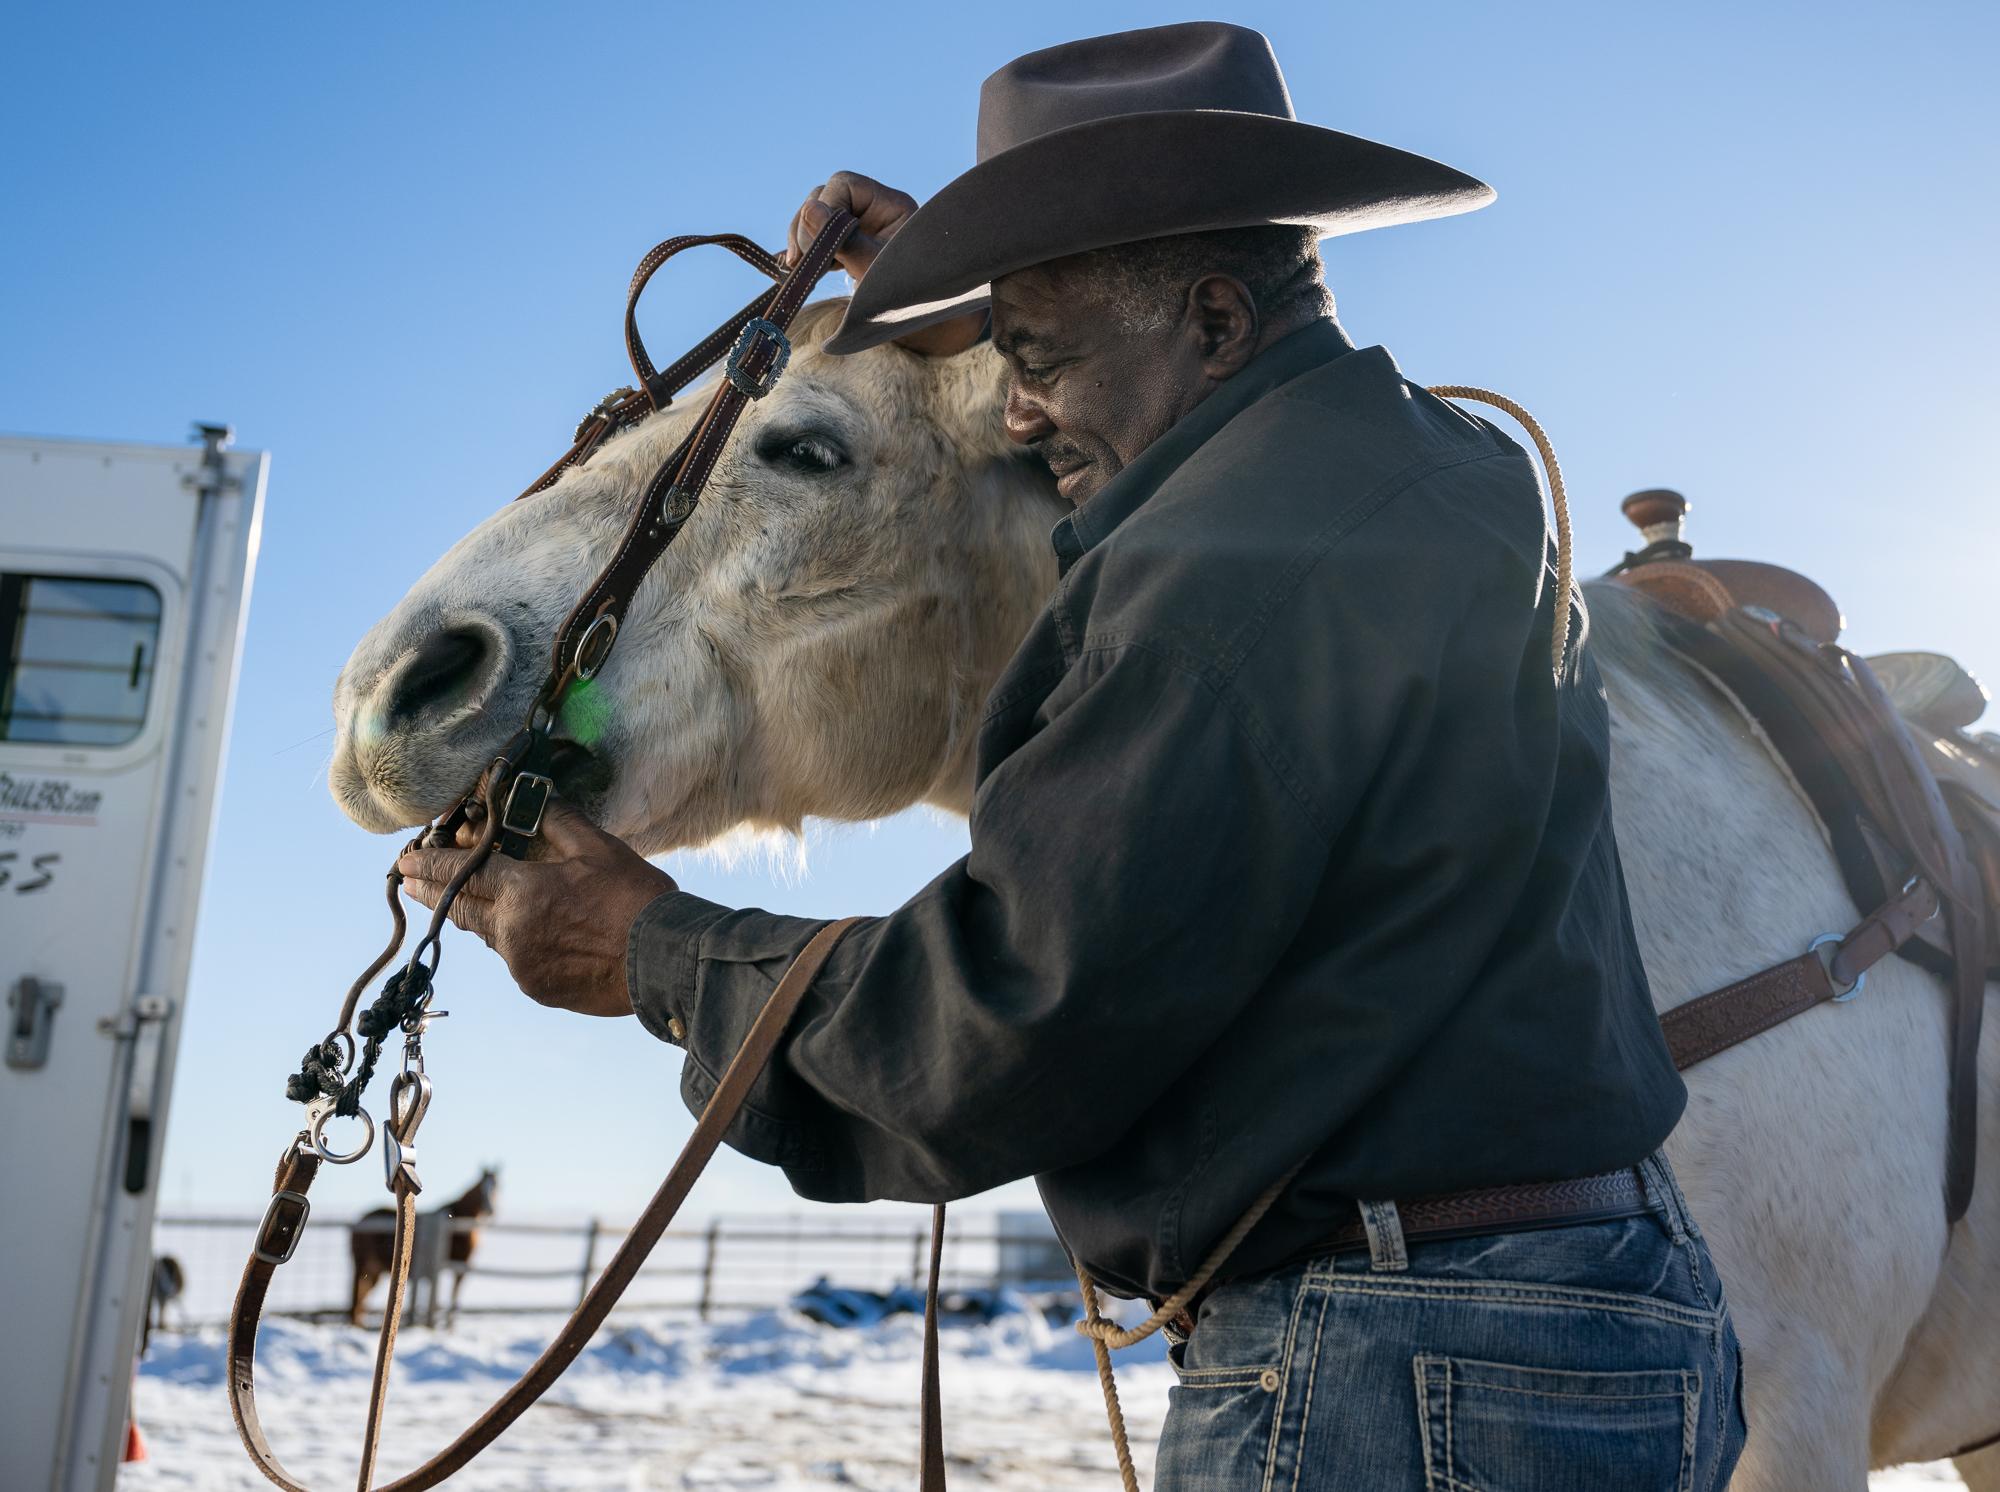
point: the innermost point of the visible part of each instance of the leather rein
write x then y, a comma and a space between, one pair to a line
505, 809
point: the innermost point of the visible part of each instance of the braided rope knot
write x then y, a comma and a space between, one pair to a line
319, 1074
401, 993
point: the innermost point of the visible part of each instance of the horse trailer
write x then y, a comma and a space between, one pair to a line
124, 578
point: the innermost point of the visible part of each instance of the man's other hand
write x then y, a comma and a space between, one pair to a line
560, 920
880, 211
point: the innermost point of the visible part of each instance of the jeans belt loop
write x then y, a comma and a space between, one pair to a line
1664, 1195
1388, 1253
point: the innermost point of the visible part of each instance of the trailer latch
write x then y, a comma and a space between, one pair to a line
32, 1005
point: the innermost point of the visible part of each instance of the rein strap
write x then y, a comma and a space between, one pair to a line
284, 1222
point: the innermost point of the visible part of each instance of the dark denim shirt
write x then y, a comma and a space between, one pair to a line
1286, 845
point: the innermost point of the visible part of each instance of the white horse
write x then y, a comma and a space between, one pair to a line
819, 642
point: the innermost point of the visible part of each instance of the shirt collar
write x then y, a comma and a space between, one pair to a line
1311, 346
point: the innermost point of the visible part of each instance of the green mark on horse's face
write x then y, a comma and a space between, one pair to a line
586, 712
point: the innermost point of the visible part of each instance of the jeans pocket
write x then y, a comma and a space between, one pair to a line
1491, 1427
1218, 1430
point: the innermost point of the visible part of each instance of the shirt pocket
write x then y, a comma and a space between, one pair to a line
1491, 1427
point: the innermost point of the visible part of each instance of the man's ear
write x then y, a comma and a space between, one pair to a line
1222, 315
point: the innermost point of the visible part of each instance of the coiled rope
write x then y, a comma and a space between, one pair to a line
1106, 1335
1558, 500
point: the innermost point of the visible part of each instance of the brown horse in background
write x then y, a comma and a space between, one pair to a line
372, 1240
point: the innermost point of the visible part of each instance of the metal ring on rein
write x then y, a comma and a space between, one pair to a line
1841, 996
317, 1132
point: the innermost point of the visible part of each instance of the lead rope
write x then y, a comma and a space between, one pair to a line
1105, 1335
1558, 500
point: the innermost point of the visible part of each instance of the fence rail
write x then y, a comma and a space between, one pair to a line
532, 1267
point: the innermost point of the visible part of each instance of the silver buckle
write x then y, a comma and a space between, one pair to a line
526, 799
755, 327
294, 1227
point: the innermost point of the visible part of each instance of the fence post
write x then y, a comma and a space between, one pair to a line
589, 1260
919, 1265
714, 1237
430, 1249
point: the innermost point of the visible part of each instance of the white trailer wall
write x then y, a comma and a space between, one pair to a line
124, 578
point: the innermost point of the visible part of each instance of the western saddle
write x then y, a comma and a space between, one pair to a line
1883, 748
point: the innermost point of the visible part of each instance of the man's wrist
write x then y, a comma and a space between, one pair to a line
663, 961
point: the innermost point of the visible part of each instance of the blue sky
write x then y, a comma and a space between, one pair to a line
1746, 251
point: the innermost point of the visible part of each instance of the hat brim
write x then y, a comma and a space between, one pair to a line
1130, 177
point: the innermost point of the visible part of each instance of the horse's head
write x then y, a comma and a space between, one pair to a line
817, 641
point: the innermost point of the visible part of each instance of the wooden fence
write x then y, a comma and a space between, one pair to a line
727, 1265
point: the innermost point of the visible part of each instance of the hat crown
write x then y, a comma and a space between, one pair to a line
1195, 65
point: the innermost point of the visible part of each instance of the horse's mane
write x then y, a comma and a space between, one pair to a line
1623, 631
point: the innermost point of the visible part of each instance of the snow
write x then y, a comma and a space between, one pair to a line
768, 1401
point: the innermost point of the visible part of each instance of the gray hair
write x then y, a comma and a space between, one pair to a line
1145, 283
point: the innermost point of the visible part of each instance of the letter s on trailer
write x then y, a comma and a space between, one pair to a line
124, 580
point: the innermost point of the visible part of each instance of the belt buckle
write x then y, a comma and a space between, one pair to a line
757, 387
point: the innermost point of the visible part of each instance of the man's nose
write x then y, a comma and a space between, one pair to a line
1025, 420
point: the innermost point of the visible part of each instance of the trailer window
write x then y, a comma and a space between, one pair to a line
76, 658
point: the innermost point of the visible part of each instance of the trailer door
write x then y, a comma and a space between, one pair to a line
124, 572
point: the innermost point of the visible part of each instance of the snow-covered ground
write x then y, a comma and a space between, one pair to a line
767, 1401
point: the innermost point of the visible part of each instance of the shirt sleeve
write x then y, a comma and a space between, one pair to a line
1138, 866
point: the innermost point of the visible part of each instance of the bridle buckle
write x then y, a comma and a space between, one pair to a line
527, 797
757, 386
283, 1226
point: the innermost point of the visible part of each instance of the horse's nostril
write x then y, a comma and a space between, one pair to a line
445, 673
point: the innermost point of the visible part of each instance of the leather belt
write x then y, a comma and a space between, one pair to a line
1518, 1208
1605, 1197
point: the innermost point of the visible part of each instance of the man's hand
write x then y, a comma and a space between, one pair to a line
562, 919
881, 211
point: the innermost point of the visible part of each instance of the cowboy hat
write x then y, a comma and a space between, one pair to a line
1140, 134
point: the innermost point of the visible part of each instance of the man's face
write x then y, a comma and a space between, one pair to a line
1087, 394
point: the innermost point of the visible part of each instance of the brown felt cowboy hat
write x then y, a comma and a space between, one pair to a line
1141, 134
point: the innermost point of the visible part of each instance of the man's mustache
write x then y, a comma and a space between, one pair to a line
1059, 454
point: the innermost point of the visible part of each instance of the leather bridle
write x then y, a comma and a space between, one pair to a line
505, 809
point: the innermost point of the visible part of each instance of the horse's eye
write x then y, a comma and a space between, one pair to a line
813, 455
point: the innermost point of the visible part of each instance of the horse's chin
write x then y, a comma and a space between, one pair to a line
583, 778
376, 801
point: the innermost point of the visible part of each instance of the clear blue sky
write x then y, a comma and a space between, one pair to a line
1747, 251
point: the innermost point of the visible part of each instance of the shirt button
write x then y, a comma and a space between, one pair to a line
676, 1029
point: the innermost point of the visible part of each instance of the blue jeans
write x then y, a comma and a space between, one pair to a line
1591, 1358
